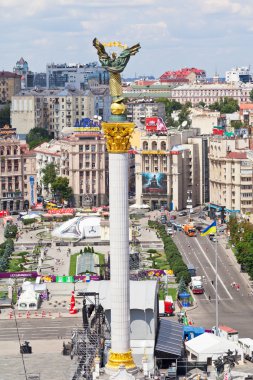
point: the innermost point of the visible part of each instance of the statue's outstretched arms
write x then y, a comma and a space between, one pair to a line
134, 49
100, 49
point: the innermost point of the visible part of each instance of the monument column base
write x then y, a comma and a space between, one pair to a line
116, 360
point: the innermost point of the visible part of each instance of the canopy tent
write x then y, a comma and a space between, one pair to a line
31, 216
207, 345
29, 300
142, 206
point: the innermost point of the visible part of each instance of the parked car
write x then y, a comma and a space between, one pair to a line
212, 237
182, 213
173, 217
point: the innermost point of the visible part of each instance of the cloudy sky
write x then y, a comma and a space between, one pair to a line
209, 34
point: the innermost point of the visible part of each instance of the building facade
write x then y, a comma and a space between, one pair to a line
169, 166
231, 173
50, 109
82, 158
238, 74
139, 110
210, 93
18, 175
76, 75
10, 85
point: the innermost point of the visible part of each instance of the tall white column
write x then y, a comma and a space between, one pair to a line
119, 252
118, 143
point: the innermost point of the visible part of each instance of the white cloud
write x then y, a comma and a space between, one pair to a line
41, 42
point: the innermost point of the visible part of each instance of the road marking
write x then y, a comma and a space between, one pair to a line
222, 283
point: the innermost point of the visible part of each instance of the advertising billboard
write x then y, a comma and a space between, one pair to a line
155, 124
154, 183
87, 125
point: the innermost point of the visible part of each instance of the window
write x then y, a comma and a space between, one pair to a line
93, 165
87, 147
93, 148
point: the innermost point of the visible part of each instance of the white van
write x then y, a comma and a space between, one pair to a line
170, 231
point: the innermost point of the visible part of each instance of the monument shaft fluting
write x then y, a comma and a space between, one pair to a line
118, 136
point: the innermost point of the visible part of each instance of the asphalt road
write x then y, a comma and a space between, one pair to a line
235, 308
38, 329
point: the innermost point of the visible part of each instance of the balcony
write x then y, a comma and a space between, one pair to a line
12, 195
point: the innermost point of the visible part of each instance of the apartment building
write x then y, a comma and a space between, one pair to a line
10, 85
82, 158
210, 93
231, 173
18, 175
76, 75
85, 162
139, 110
168, 166
50, 109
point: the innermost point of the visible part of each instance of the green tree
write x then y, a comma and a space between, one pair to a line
184, 115
61, 188
49, 174
236, 124
225, 105
251, 95
10, 231
37, 136
182, 286
5, 115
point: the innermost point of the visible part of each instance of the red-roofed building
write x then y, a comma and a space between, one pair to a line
10, 85
188, 74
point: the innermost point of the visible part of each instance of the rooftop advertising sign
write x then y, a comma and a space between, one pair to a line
87, 125
155, 124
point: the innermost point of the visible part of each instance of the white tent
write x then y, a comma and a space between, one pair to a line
29, 300
143, 206
78, 228
208, 347
31, 216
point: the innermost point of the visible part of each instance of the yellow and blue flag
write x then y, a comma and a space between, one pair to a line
209, 229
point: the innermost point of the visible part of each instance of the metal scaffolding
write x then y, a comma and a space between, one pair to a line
87, 341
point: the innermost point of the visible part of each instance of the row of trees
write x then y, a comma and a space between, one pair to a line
172, 253
241, 236
6, 250
226, 105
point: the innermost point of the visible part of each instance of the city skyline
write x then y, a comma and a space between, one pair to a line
205, 34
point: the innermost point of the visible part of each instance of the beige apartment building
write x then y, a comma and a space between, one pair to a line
50, 109
210, 93
18, 175
10, 85
231, 173
81, 157
84, 161
167, 167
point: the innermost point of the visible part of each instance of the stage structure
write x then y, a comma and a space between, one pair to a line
118, 133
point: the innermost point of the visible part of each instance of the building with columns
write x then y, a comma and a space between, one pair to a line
18, 175
231, 173
168, 166
210, 93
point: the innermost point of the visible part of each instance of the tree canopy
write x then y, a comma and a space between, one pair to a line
49, 174
37, 136
251, 95
226, 105
61, 188
5, 115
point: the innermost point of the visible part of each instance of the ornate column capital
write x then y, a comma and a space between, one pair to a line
118, 136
